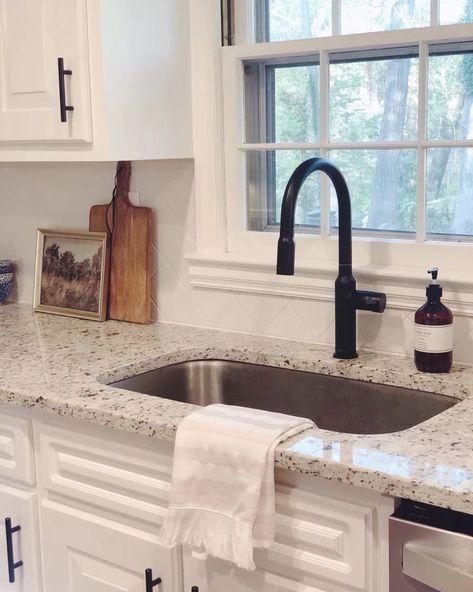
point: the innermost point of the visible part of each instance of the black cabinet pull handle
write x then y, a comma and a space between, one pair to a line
9, 530
195, 589
64, 107
150, 583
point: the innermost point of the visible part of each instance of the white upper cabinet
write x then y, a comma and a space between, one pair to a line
127, 80
35, 33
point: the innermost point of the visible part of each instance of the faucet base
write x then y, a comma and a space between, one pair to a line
345, 356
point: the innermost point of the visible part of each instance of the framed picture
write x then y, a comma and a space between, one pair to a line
71, 276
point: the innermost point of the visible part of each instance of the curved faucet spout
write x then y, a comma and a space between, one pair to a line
286, 247
347, 298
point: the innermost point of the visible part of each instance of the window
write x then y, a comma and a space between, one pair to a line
392, 106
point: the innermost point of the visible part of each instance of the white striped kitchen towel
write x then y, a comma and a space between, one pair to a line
222, 494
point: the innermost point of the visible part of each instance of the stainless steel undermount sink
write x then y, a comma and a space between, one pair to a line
333, 403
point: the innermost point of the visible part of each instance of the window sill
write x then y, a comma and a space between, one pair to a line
314, 280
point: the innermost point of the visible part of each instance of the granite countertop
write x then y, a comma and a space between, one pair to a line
62, 365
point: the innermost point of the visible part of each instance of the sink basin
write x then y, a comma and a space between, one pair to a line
333, 403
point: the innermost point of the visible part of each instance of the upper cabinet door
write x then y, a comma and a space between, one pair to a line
33, 35
129, 83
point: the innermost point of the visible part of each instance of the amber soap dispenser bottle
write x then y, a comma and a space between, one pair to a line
433, 350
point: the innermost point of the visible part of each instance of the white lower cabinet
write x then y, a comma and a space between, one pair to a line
329, 538
85, 553
19, 548
90, 502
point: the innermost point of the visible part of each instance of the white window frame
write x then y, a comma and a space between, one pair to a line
229, 257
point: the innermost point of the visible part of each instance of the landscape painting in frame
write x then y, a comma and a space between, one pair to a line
72, 274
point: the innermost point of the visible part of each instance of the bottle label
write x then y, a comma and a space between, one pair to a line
433, 339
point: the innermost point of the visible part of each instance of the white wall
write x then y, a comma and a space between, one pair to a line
60, 195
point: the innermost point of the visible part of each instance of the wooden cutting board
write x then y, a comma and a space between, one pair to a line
129, 297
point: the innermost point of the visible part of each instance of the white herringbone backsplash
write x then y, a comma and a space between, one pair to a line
60, 195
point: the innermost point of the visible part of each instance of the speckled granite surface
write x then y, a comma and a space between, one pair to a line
62, 365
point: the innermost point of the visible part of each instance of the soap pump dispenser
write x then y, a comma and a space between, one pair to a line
433, 350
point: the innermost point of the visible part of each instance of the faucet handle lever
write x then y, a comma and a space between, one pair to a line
373, 301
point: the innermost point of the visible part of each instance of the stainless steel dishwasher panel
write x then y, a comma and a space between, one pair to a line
428, 559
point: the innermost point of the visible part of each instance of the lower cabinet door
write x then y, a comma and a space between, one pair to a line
329, 538
212, 575
19, 542
87, 553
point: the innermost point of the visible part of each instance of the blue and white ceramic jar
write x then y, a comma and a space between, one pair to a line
6, 278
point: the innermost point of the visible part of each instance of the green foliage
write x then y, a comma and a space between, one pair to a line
467, 62
299, 19
64, 265
361, 102
297, 104
68, 283
308, 204
358, 102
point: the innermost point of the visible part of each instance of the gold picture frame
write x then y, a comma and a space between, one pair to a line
71, 273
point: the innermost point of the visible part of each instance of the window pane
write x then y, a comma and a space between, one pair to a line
383, 15
450, 114
268, 173
302, 19
382, 186
282, 102
374, 100
449, 191
455, 11
295, 95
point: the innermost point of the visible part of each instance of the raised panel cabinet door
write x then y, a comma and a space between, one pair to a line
19, 560
82, 552
329, 538
105, 473
16, 449
33, 35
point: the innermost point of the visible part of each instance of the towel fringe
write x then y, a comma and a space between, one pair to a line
215, 534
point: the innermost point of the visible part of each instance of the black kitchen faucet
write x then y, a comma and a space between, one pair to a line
347, 298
